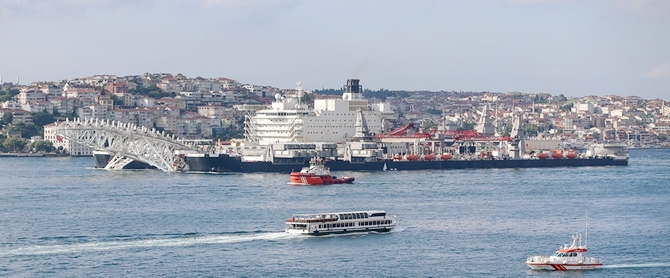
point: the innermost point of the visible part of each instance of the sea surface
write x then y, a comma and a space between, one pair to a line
59, 217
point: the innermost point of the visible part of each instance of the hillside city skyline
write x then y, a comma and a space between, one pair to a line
218, 108
306, 86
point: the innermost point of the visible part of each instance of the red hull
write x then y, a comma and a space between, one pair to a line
311, 179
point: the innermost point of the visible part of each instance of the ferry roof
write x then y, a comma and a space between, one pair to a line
344, 212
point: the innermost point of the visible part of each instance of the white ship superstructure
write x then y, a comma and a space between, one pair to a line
332, 120
283, 122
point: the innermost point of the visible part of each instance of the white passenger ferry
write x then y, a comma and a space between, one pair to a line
566, 258
340, 222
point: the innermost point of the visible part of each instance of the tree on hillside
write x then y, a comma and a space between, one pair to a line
567, 107
45, 146
27, 130
434, 111
429, 124
14, 144
530, 129
467, 126
43, 118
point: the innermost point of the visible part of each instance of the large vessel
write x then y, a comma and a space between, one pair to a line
340, 223
566, 258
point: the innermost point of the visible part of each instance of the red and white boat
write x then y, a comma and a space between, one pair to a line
317, 174
566, 258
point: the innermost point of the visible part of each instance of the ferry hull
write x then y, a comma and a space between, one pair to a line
563, 267
234, 164
339, 231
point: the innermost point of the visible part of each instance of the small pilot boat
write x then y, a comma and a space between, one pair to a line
340, 223
317, 174
566, 258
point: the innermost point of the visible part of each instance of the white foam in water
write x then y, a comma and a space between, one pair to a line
141, 243
637, 265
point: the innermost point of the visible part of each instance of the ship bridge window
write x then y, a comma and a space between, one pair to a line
378, 214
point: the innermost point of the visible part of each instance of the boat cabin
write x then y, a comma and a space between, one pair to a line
341, 222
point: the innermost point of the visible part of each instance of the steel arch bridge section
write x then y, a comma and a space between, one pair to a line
126, 140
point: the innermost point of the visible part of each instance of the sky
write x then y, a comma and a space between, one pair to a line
570, 47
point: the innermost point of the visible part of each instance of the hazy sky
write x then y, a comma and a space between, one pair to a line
575, 48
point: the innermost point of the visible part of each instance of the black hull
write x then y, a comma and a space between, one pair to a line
101, 161
225, 163
350, 231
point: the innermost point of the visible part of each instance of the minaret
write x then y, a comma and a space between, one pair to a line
17, 80
299, 91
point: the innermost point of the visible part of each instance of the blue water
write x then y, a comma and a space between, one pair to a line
60, 217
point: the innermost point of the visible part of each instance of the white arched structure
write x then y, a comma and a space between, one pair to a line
127, 142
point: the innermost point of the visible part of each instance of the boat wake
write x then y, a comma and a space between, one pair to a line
637, 265
183, 240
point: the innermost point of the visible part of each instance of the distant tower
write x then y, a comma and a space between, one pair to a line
17, 80
299, 90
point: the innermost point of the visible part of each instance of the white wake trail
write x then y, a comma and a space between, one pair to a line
141, 243
637, 265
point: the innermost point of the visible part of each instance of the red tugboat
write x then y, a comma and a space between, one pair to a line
317, 174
